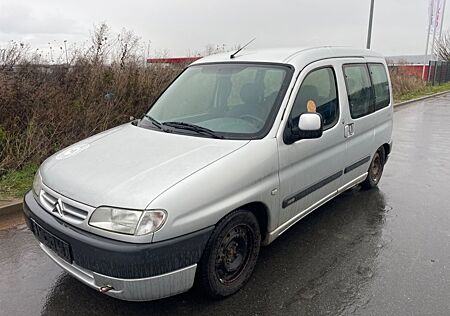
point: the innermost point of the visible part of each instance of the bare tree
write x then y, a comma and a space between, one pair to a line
101, 45
128, 44
214, 49
442, 48
12, 54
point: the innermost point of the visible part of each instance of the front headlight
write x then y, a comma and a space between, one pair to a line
130, 222
37, 183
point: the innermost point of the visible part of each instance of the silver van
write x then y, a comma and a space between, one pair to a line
234, 152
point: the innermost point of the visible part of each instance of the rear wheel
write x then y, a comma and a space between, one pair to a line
375, 170
230, 255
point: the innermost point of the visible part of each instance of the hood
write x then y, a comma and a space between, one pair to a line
129, 166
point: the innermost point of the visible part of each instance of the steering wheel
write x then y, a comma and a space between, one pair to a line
252, 119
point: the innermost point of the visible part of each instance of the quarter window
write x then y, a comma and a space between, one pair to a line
359, 89
318, 94
380, 85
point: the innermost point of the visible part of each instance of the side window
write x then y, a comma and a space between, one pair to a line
380, 85
318, 94
359, 89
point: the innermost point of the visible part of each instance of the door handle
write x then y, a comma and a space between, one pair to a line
349, 130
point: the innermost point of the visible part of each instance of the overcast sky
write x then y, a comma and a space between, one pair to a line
181, 26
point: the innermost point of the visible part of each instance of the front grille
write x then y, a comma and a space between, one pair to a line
69, 212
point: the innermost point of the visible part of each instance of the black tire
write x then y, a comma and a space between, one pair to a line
230, 254
375, 170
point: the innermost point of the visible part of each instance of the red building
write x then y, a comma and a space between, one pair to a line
411, 70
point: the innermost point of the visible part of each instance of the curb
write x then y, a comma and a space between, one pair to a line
10, 208
421, 98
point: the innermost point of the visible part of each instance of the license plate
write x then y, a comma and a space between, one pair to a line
60, 247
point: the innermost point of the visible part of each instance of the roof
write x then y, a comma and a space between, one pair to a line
292, 56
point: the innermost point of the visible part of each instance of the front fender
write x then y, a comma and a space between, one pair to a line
249, 174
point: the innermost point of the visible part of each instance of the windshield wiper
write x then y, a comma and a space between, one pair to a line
193, 127
154, 122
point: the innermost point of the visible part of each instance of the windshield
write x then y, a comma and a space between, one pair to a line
232, 100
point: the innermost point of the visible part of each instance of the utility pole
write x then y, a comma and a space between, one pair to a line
369, 32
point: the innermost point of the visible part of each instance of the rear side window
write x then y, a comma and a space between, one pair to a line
380, 85
318, 94
359, 89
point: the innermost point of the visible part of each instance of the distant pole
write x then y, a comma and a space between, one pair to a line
438, 19
430, 22
442, 20
369, 32
433, 41
65, 48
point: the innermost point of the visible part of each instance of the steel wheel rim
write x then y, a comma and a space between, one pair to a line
234, 253
376, 168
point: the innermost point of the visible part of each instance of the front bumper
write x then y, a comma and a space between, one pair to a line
136, 272
145, 289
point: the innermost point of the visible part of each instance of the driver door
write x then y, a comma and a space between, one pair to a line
311, 169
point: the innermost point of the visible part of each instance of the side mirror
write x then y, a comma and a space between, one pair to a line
310, 125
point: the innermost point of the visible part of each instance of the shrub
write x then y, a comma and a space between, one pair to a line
2, 138
44, 108
403, 84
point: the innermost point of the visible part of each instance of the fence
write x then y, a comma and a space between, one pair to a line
439, 72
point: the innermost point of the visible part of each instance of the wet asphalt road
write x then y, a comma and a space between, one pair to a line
379, 252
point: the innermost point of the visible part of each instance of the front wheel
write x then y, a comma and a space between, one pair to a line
375, 170
230, 255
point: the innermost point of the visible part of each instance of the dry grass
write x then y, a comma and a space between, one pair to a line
403, 85
410, 87
43, 109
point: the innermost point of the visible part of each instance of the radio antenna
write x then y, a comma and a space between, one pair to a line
236, 52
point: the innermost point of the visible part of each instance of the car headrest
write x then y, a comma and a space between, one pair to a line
251, 93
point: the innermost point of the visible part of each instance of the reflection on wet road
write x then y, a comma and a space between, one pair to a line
379, 252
